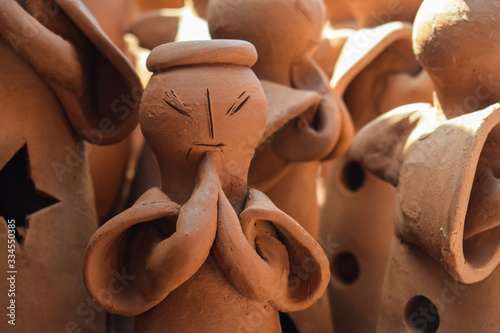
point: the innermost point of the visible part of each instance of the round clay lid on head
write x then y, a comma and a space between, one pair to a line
232, 52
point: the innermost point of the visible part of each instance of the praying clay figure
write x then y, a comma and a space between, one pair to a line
61, 82
204, 253
307, 121
375, 73
443, 271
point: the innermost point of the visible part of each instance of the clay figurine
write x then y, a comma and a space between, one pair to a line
307, 121
204, 253
375, 73
443, 271
61, 83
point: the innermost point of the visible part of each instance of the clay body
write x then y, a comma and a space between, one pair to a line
376, 72
442, 160
48, 108
205, 253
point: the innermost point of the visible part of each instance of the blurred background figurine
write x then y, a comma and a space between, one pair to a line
443, 271
307, 122
61, 83
375, 72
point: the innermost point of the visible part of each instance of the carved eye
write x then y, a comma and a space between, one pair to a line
171, 100
238, 103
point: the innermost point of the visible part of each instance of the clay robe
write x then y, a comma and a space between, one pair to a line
443, 271
307, 121
205, 253
60, 77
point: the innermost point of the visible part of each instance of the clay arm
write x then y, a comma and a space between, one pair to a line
49, 54
135, 244
380, 145
268, 256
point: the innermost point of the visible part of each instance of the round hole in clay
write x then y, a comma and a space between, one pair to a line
346, 268
421, 315
353, 176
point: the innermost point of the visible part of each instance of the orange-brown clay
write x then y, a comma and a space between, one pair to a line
205, 253
59, 76
442, 273
307, 122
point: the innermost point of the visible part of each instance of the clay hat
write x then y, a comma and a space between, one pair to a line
221, 51
113, 76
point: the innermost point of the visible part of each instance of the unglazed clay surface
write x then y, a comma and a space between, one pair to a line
205, 246
376, 72
307, 121
55, 76
442, 158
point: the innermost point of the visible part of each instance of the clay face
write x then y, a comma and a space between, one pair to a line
195, 113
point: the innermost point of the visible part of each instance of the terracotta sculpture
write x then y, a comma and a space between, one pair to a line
443, 269
307, 122
375, 72
205, 253
59, 77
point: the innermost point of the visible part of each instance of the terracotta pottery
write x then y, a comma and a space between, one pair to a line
59, 77
442, 273
307, 122
205, 253
376, 72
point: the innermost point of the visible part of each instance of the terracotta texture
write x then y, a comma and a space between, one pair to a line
442, 273
339, 14
377, 12
376, 72
59, 76
307, 122
205, 246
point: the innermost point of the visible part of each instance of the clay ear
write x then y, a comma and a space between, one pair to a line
455, 220
268, 256
379, 146
113, 87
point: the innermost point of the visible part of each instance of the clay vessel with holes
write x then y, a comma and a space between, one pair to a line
59, 76
204, 253
443, 271
307, 122
376, 72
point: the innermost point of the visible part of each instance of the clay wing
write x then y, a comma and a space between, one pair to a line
156, 244
111, 79
447, 200
362, 48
